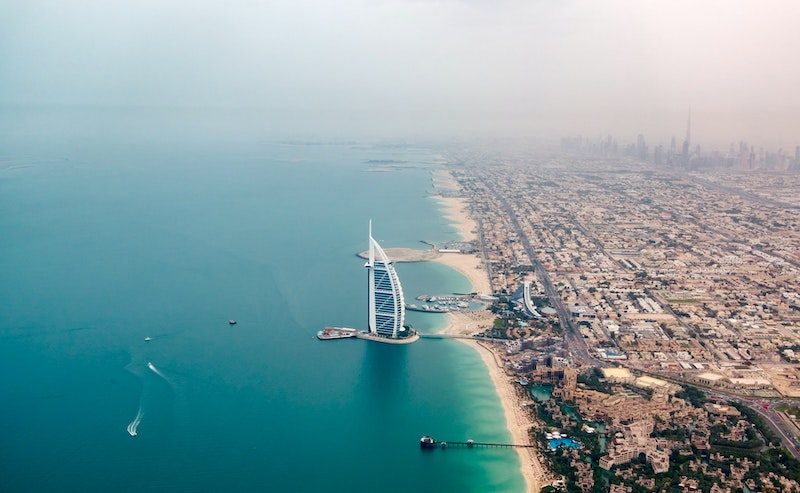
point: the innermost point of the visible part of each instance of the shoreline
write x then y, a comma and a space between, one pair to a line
455, 211
468, 265
517, 421
466, 323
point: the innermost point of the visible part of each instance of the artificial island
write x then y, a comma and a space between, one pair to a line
386, 311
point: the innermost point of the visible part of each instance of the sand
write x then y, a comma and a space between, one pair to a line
518, 421
443, 179
456, 210
470, 266
406, 254
468, 323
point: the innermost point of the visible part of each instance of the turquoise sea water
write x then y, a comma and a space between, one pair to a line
113, 229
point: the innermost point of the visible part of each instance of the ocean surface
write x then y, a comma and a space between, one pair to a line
115, 227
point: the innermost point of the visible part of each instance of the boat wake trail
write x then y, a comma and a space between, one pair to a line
157, 372
153, 393
133, 425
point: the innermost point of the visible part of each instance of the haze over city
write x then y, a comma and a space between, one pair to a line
400, 246
423, 69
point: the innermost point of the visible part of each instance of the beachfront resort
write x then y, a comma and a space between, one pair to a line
655, 379
633, 401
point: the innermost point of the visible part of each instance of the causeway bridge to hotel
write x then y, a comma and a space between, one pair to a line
458, 336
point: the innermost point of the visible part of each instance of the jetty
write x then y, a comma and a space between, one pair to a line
428, 442
406, 255
461, 336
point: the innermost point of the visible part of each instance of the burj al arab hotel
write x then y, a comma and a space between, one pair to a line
386, 306
386, 309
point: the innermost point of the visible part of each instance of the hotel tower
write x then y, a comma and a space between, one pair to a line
387, 311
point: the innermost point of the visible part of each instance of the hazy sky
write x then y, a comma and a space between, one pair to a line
417, 68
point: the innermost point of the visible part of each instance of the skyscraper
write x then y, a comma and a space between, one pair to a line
386, 304
641, 148
688, 142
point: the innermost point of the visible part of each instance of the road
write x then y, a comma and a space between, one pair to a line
784, 430
482, 245
572, 336
526, 297
744, 194
581, 352
788, 438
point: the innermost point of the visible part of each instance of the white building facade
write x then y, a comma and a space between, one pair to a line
387, 311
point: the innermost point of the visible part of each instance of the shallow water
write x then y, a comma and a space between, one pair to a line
122, 233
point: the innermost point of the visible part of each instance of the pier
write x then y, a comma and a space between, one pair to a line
460, 336
427, 442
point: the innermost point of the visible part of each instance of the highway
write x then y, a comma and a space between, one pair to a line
487, 266
787, 435
575, 341
778, 425
744, 194
581, 352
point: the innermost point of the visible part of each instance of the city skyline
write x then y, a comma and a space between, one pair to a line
740, 155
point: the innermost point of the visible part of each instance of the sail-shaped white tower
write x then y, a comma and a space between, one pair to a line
387, 310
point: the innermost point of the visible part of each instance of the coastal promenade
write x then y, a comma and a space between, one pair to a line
458, 336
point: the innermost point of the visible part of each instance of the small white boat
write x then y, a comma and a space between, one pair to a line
148, 339
232, 322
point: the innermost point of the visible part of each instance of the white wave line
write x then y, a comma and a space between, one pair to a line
133, 425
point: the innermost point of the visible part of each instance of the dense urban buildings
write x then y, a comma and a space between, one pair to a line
648, 282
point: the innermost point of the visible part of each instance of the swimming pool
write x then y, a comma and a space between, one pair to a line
563, 442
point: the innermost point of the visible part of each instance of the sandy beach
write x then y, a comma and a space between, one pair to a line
455, 210
517, 420
470, 266
468, 323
